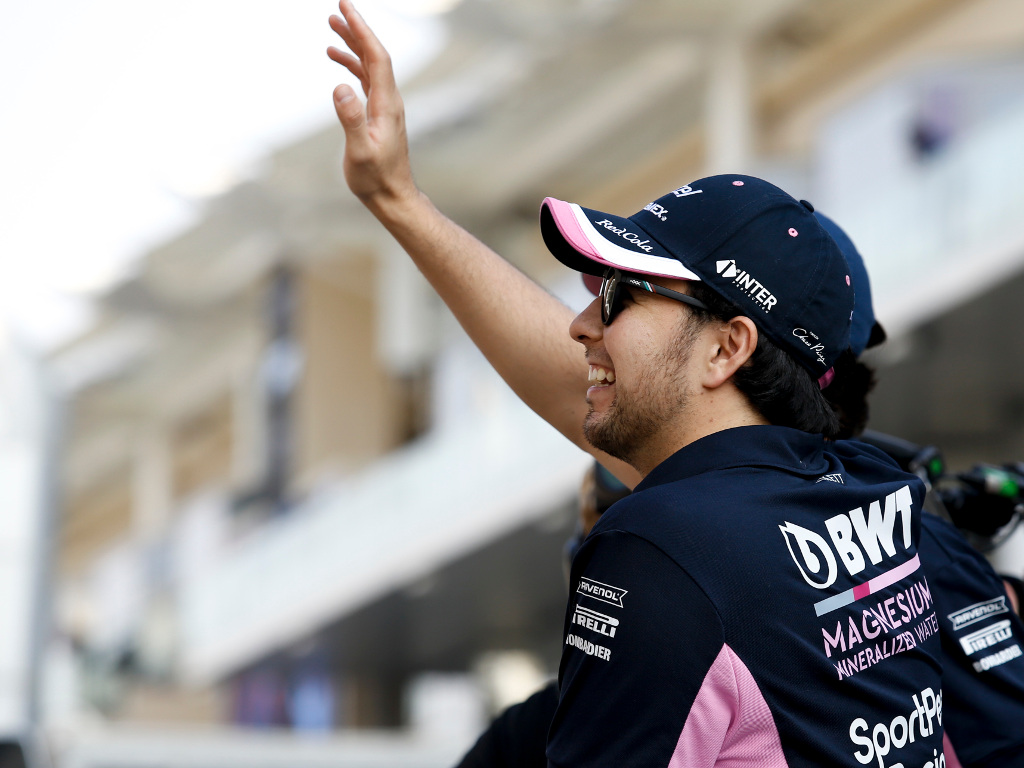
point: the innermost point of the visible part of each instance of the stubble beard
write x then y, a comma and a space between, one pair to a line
634, 418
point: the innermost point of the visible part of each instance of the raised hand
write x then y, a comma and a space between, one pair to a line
519, 326
376, 146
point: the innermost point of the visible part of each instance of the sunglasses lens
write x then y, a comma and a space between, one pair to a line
609, 296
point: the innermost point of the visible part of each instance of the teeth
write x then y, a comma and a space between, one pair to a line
599, 374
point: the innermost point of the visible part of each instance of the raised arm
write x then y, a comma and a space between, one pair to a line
519, 327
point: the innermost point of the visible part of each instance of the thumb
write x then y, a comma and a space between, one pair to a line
352, 116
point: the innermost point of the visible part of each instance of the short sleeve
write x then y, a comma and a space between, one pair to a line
982, 638
647, 678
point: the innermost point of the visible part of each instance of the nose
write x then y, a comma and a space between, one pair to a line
587, 327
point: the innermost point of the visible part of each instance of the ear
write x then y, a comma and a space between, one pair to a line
733, 342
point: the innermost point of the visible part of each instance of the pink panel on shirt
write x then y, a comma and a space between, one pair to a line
729, 725
952, 761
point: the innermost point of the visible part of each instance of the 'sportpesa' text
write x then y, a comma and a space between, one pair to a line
921, 723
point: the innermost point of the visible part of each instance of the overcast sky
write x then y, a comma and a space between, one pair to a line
119, 117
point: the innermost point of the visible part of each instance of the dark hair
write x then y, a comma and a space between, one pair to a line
780, 389
848, 394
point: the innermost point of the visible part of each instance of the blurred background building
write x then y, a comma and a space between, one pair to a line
289, 495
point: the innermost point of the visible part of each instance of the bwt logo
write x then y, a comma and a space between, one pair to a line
852, 535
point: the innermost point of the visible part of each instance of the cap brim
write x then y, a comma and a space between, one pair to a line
569, 233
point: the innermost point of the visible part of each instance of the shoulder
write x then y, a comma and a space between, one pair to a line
941, 542
867, 460
614, 562
962, 578
630, 596
640, 638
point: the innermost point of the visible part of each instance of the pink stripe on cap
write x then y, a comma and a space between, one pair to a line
826, 378
565, 219
580, 235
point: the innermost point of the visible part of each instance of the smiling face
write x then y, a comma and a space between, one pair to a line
641, 379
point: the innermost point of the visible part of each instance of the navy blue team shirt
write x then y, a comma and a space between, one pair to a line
757, 601
983, 662
982, 674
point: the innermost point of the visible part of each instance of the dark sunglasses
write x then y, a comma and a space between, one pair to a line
615, 281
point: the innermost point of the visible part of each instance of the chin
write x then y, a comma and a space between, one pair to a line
604, 434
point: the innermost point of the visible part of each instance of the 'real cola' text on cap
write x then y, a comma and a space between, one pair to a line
749, 241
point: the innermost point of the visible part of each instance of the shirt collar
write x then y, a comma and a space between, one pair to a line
761, 446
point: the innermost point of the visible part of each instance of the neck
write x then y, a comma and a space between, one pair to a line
713, 410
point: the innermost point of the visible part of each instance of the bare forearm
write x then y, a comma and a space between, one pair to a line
520, 327
522, 330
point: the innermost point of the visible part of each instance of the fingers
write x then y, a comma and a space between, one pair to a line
371, 61
376, 148
364, 44
342, 29
352, 64
353, 119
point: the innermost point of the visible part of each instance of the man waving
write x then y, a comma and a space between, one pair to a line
758, 600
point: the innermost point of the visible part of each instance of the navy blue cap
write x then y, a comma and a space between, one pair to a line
865, 331
752, 243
